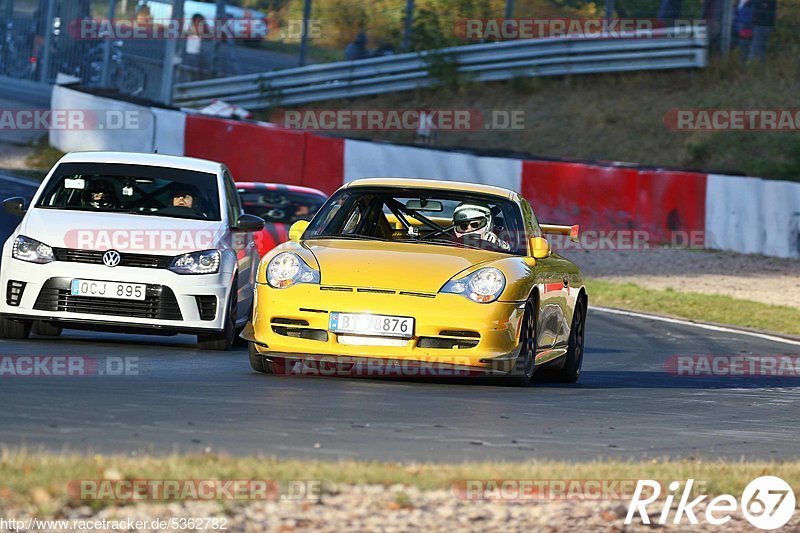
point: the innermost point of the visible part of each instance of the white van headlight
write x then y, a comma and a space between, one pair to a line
206, 262
31, 250
286, 269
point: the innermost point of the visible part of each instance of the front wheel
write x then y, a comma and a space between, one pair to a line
526, 360
223, 340
571, 370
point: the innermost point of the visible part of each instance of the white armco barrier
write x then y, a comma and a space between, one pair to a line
752, 215
367, 160
170, 131
100, 123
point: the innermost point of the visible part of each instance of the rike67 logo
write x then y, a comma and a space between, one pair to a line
767, 502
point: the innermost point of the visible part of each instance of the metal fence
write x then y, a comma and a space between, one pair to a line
37, 43
667, 49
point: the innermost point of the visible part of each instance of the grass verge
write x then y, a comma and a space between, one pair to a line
693, 306
41, 479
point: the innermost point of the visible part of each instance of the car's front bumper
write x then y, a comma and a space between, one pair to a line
171, 304
449, 330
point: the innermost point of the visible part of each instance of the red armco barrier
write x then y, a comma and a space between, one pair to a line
606, 198
600, 198
323, 164
251, 151
671, 202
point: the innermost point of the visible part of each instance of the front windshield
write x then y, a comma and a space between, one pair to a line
280, 206
136, 189
445, 218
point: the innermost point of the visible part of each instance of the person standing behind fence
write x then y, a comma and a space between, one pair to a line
358, 48
763, 24
743, 28
196, 49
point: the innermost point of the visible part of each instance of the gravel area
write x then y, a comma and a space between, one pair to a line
399, 508
758, 278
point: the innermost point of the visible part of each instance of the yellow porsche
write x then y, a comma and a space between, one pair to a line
420, 277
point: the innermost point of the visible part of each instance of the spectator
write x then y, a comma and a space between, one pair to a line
357, 49
763, 23
196, 48
669, 11
143, 15
743, 28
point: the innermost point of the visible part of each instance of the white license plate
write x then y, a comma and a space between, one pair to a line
380, 325
108, 289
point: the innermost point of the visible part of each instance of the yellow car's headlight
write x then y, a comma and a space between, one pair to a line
287, 269
483, 286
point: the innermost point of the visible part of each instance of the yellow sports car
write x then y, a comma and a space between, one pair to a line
420, 277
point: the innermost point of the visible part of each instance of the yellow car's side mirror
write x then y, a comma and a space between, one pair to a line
297, 229
540, 248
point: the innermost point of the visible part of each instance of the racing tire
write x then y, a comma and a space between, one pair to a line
46, 329
223, 340
258, 362
14, 329
525, 365
573, 361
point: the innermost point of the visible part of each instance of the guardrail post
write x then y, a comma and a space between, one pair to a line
220, 15
168, 75
409, 23
726, 27
609, 9
509, 9
47, 54
105, 74
304, 37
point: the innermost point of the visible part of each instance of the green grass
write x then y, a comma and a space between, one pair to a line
41, 160
41, 479
694, 306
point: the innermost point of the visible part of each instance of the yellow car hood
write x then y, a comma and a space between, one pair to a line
388, 265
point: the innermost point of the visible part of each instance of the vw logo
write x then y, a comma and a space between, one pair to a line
111, 258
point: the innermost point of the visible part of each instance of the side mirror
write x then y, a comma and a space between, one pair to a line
540, 248
15, 205
248, 224
297, 229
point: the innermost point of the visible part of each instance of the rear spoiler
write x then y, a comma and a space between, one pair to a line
572, 231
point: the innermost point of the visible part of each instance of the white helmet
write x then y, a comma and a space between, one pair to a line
472, 219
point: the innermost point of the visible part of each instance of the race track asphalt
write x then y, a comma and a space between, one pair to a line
626, 404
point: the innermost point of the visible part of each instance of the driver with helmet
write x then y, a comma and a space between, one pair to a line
472, 220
